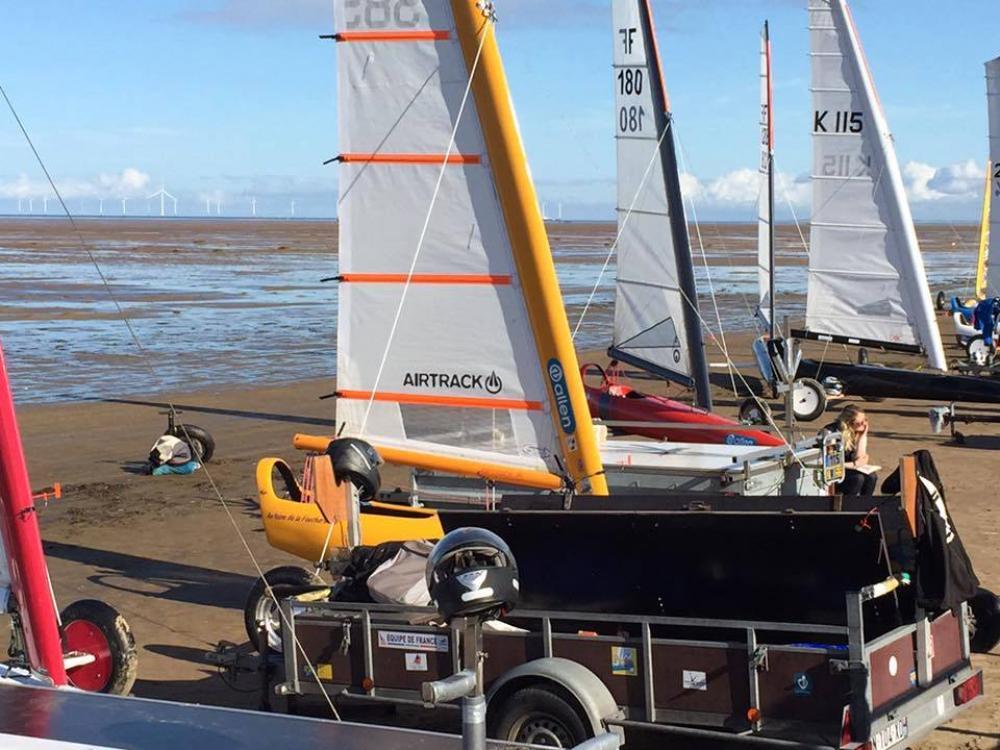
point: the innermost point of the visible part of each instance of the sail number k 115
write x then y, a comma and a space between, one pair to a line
381, 14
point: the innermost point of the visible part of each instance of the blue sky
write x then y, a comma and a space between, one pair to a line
227, 99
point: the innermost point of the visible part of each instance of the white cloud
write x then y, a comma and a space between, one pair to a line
740, 188
128, 183
960, 182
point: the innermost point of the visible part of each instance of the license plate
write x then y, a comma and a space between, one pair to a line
893, 734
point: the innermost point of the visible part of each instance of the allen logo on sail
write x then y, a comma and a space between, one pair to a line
461, 381
557, 378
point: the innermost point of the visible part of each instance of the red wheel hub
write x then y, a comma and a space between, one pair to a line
87, 638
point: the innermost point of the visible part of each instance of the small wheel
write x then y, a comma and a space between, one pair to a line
941, 301
977, 351
260, 607
201, 443
809, 399
94, 628
536, 716
862, 356
754, 411
985, 606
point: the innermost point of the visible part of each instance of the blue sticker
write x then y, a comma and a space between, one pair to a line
557, 377
802, 684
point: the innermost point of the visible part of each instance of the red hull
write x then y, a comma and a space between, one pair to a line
620, 403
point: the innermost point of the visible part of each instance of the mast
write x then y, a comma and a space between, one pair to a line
765, 238
984, 235
992, 285
530, 243
22, 546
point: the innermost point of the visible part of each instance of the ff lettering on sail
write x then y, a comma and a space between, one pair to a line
993, 177
867, 283
657, 325
765, 195
453, 344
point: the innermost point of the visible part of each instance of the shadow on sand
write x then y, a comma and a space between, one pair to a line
159, 579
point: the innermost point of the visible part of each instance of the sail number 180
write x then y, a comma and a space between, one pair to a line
630, 119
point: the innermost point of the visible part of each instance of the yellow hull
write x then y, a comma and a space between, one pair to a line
299, 528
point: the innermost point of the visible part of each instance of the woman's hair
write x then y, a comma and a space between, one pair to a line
846, 423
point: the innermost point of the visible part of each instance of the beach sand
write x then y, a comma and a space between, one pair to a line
171, 556
167, 553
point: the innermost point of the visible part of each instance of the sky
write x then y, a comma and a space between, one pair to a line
222, 101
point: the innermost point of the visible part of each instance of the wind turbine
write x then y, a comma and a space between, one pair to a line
31, 205
253, 207
218, 207
100, 204
162, 194
45, 204
19, 204
123, 206
293, 209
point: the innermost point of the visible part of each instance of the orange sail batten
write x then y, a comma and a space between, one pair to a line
393, 36
426, 278
409, 159
454, 401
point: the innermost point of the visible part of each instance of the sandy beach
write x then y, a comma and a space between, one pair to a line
171, 556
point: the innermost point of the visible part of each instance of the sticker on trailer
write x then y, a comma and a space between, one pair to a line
624, 661
416, 662
693, 680
802, 684
413, 641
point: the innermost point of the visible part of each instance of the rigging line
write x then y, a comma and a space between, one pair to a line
621, 228
489, 26
145, 359
791, 207
708, 273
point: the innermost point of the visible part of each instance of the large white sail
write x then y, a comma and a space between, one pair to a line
866, 277
993, 107
656, 321
765, 195
461, 375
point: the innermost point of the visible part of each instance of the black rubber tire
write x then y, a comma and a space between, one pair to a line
754, 411
941, 301
820, 393
985, 608
201, 443
286, 575
121, 644
862, 356
539, 716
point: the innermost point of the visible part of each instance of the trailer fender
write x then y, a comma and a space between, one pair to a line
590, 694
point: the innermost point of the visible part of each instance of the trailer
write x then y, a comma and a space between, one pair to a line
558, 677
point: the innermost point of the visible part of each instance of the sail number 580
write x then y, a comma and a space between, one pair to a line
380, 14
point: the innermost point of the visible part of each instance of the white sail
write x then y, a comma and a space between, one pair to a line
649, 305
764, 219
993, 106
866, 276
461, 375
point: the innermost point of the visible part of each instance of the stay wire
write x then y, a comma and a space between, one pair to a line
145, 359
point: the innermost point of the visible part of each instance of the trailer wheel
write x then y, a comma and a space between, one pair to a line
754, 411
977, 351
260, 607
941, 300
94, 628
985, 606
537, 716
809, 399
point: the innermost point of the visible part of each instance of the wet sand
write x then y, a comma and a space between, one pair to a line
169, 554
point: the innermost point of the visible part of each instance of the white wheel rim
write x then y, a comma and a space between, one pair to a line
806, 400
977, 352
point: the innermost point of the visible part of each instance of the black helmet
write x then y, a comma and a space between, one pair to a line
357, 462
472, 573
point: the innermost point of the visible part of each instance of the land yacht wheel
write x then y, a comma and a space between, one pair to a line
202, 444
260, 607
941, 301
98, 635
985, 606
809, 399
977, 351
754, 411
